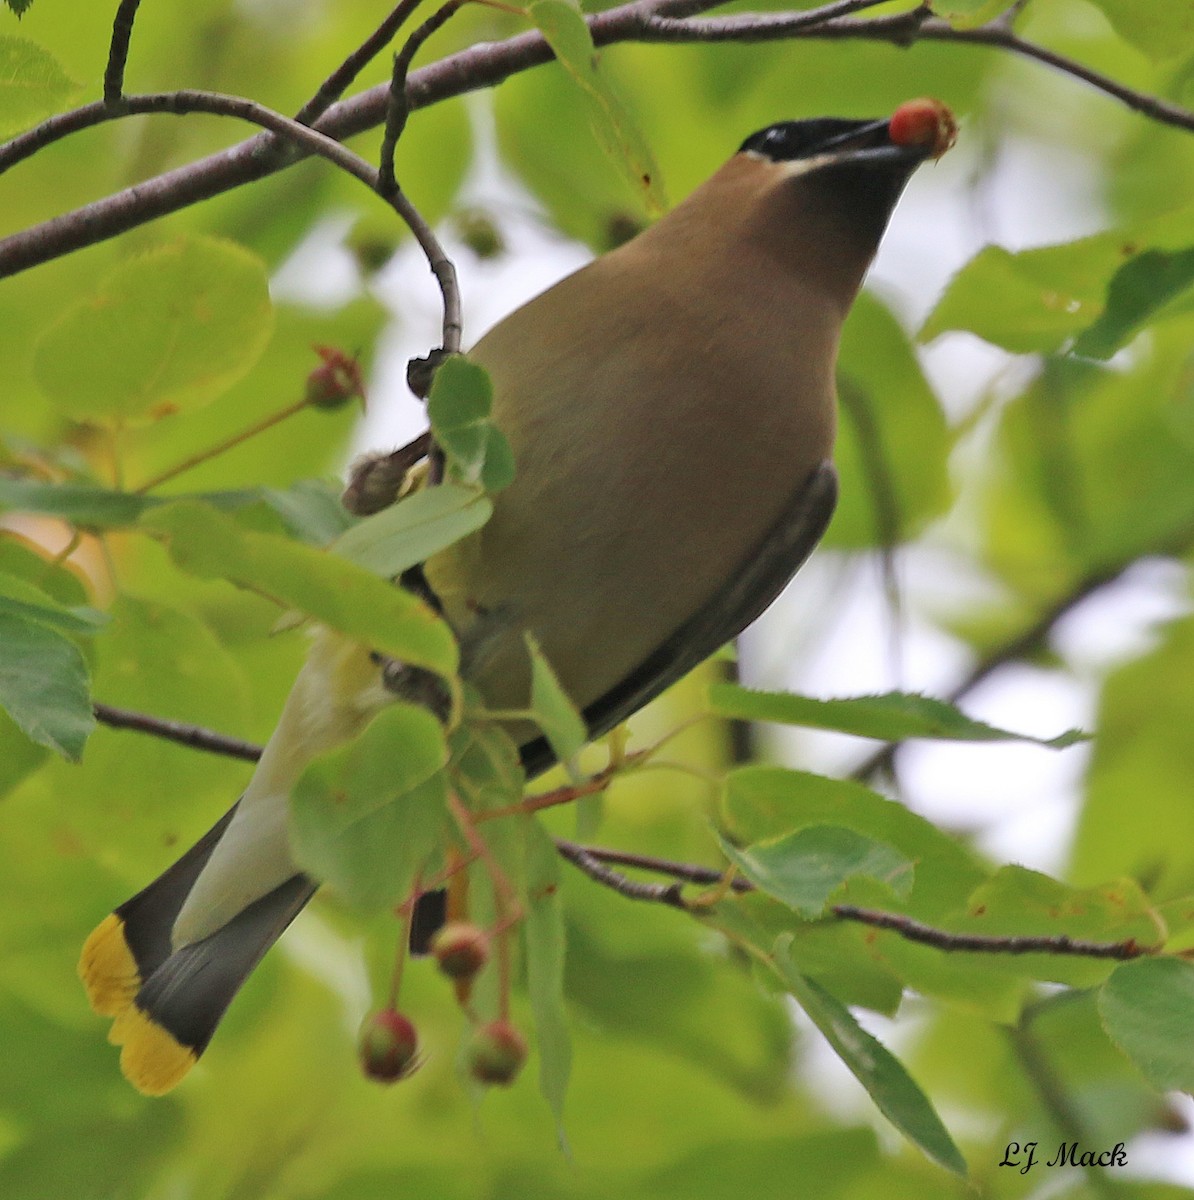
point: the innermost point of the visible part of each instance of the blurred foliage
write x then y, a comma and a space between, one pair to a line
667, 1052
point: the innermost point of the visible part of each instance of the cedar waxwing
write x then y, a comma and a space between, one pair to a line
671, 412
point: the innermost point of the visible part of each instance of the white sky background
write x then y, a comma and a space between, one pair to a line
830, 633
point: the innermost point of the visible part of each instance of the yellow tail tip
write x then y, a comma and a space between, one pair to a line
108, 969
152, 1059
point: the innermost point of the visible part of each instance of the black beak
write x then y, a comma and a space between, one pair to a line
869, 143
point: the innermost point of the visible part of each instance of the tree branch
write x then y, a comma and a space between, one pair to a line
194, 736
398, 103
488, 64
588, 862
590, 859
340, 80
940, 939
303, 140
118, 50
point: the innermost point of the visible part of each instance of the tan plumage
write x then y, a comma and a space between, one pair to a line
671, 412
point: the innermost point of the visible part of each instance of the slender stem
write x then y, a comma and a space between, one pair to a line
338, 82
398, 108
118, 50
305, 139
194, 736
595, 869
1056, 944
267, 422
405, 915
508, 906
686, 872
562, 795
297, 141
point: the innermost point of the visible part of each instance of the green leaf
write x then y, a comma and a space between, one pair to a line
21, 599
19, 757
1163, 30
366, 817
1025, 302
803, 869
546, 943
486, 770
1142, 286
33, 84
1036, 300
552, 710
459, 406
386, 618
893, 1090
411, 531
43, 685
167, 331
969, 14
893, 445
1147, 1009
311, 510
85, 505
889, 717
564, 29
764, 803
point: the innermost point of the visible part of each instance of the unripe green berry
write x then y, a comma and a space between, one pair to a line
497, 1053
387, 1046
461, 949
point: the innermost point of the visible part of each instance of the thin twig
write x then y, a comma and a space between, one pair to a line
657, 893
398, 107
338, 82
222, 447
509, 907
194, 736
306, 139
1056, 944
303, 139
118, 50
685, 872
199, 738
477, 67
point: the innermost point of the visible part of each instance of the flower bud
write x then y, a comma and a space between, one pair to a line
496, 1053
461, 949
387, 1046
336, 381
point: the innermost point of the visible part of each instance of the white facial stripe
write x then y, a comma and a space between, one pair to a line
792, 167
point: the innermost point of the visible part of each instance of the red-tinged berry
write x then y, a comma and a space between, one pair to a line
496, 1053
924, 122
336, 381
387, 1046
461, 949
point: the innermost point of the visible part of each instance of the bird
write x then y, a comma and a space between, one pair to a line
671, 412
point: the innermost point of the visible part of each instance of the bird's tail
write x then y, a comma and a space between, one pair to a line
166, 1003
167, 963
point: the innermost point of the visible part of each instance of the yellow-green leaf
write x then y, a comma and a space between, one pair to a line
564, 28
166, 331
341, 594
32, 84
